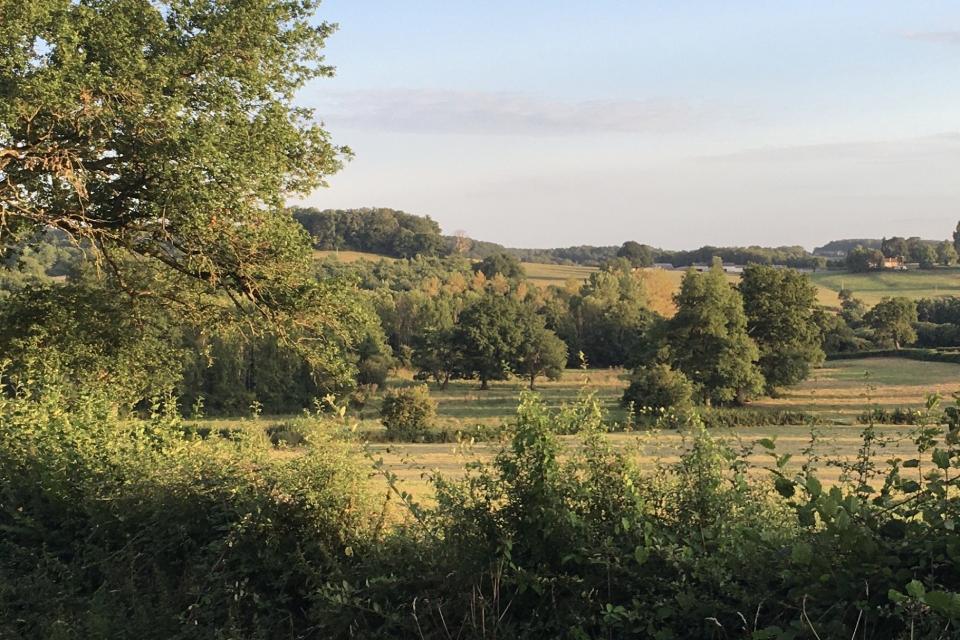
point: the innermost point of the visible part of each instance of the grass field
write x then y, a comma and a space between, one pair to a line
838, 392
556, 274
872, 287
350, 256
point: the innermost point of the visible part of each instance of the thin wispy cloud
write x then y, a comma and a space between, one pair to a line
493, 113
905, 149
943, 37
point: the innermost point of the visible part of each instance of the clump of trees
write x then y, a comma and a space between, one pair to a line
730, 343
382, 231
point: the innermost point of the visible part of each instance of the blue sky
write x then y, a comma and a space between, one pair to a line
674, 123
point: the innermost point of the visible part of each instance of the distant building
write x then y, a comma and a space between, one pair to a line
663, 265
893, 263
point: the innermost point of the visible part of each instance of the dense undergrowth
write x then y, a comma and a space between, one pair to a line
117, 528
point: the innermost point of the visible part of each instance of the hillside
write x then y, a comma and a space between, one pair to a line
872, 287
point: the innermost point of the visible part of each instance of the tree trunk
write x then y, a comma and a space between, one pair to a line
533, 379
445, 382
483, 384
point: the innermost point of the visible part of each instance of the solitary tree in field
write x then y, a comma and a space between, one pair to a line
490, 334
780, 306
541, 352
892, 321
709, 342
956, 239
437, 354
861, 259
926, 255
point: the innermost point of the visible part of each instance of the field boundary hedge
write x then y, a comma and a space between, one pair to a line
925, 355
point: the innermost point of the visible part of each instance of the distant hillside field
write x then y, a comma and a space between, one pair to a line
350, 256
555, 274
872, 287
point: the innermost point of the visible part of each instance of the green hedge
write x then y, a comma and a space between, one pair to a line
925, 355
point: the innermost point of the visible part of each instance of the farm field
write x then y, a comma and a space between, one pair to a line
872, 287
556, 274
838, 392
351, 256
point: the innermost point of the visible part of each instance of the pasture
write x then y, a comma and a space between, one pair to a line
837, 393
350, 256
545, 275
874, 286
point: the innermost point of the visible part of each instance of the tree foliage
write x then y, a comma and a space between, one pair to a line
166, 131
381, 231
708, 339
780, 306
892, 321
541, 352
503, 264
639, 255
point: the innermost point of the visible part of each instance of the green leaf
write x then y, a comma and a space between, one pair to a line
813, 486
913, 463
641, 555
941, 458
944, 603
916, 589
802, 553
784, 487
767, 443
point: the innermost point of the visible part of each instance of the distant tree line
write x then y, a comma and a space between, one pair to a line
382, 231
927, 254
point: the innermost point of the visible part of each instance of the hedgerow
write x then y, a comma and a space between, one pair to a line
136, 528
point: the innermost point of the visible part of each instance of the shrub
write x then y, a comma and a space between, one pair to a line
898, 415
129, 528
293, 433
408, 413
923, 355
740, 417
659, 388
374, 370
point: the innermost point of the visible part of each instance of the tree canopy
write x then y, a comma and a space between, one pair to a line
708, 339
780, 306
167, 131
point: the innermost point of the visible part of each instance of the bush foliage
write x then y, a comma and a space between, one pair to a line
408, 413
132, 528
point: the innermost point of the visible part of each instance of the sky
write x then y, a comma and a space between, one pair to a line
677, 123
